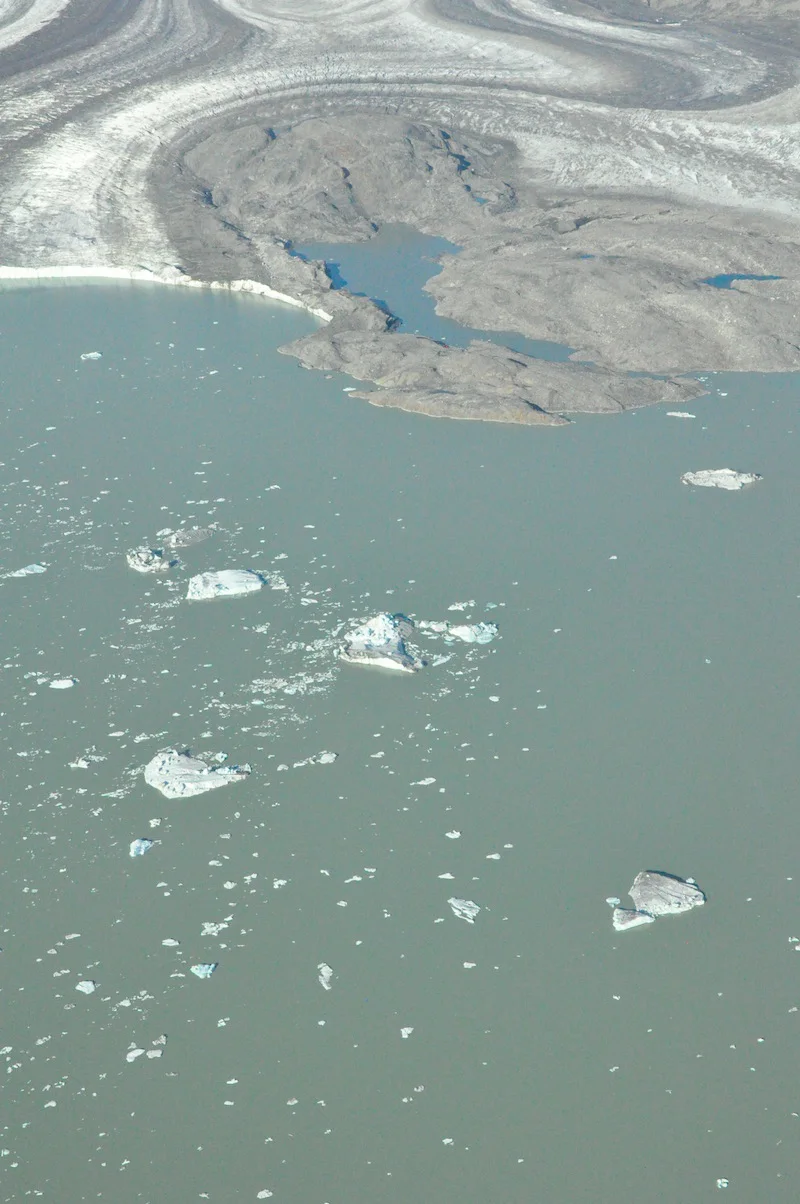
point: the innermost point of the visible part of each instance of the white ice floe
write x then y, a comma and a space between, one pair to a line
405, 1033
204, 969
469, 633
148, 560
323, 758
325, 975
720, 478
180, 775
625, 917
680, 414
184, 537
63, 683
30, 570
92, 355
381, 642
464, 909
227, 583
87, 986
140, 846
462, 605
656, 894
133, 1053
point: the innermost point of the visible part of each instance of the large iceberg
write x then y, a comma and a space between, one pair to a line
381, 642
180, 775
654, 895
720, 478
228, 583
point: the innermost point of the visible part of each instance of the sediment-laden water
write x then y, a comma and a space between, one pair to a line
636, 711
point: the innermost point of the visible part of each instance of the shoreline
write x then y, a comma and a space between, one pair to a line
144, 275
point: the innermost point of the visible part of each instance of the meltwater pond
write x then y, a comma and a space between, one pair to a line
392, 269
282, 998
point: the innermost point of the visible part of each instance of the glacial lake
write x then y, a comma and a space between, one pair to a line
636, 711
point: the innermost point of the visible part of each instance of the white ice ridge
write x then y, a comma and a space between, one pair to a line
180, 775
79, 271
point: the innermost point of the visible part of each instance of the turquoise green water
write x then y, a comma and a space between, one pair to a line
634, 713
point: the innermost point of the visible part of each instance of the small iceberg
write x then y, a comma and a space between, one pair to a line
180, 775
469, 633
149, 560
656, 894
63, 683
30, 570
720, 478
204, 969
464, 909
140, 846
324, 975
228, 583
87, 986
184, 537
381, 642
92, 355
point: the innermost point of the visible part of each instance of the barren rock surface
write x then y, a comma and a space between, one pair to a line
596, 162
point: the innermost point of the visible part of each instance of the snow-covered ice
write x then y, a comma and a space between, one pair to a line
180, 775
381, 642
204, 969
464, 909
148, 560
720, 478
227, 583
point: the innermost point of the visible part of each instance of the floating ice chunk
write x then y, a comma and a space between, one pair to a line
454, 835
424, 782
184, 537
325, 975
210, 928
63, 683
624, 917
30, 570
140, 846
656, 894
464, 909
720, 478
469, 633
170, 943
664, 894
405, 1033
91, 355
721, 1183
87, 986
227, 583
155, 1053
462, 605
613, 901
149, 560
180, 775
133, 1053
90, 757
204, 969
323, 758
381, 642
680, 414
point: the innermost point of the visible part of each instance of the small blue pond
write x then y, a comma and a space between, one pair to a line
392, 268
726, 279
